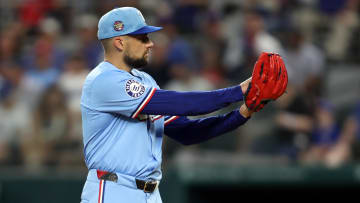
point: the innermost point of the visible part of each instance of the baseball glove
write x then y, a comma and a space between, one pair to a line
269, 81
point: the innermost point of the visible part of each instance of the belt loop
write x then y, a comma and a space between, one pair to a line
104, 175
145, 187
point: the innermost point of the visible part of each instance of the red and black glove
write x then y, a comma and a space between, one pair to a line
269, 81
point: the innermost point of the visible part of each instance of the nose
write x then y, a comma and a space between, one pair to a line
150, 44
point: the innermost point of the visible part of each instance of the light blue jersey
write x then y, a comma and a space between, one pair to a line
116, 138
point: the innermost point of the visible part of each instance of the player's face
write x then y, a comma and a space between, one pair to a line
137, 52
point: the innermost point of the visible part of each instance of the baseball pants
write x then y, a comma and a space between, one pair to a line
124, 190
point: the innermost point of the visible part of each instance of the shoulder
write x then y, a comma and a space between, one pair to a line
143, 74
104, 80
147, 77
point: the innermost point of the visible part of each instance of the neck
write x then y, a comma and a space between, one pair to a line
120, 64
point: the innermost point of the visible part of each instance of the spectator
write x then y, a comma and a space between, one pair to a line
89, 47
46, 46
212, 69
159, 66
211, 45
304, 61
40, 73
14, 123
71, 82
181, 58
342, 29
10, 49
31, 12
347, 150
293, 124
253, 40
49, 140
325, 135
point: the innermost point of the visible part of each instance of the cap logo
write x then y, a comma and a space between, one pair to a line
118, 25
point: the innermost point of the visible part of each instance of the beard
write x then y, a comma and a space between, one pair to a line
135, 63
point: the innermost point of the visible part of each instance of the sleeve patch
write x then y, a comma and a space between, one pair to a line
134, 89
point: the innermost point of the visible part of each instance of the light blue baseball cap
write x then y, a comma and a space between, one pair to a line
123, 21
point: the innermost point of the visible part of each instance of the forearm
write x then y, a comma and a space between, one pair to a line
190, 132
165, 102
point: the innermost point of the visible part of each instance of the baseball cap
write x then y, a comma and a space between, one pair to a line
123, 21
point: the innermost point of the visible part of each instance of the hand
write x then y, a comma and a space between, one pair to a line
245, 112
244, 85
268, 81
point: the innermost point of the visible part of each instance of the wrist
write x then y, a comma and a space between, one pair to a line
244, 111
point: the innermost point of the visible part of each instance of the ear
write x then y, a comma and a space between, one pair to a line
118, 43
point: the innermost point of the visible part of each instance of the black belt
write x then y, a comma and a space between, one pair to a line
146, 186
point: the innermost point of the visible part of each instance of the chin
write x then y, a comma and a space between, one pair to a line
147, 59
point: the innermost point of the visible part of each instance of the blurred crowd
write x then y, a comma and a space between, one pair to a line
47, 47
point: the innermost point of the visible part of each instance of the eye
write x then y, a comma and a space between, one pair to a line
142, 38
145, 39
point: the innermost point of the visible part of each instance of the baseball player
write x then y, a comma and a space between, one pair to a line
125, 113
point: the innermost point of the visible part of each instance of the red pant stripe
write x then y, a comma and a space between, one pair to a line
101, 191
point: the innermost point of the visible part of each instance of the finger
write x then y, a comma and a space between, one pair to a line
246, 81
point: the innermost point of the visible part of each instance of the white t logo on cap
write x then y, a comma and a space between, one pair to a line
142, 17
